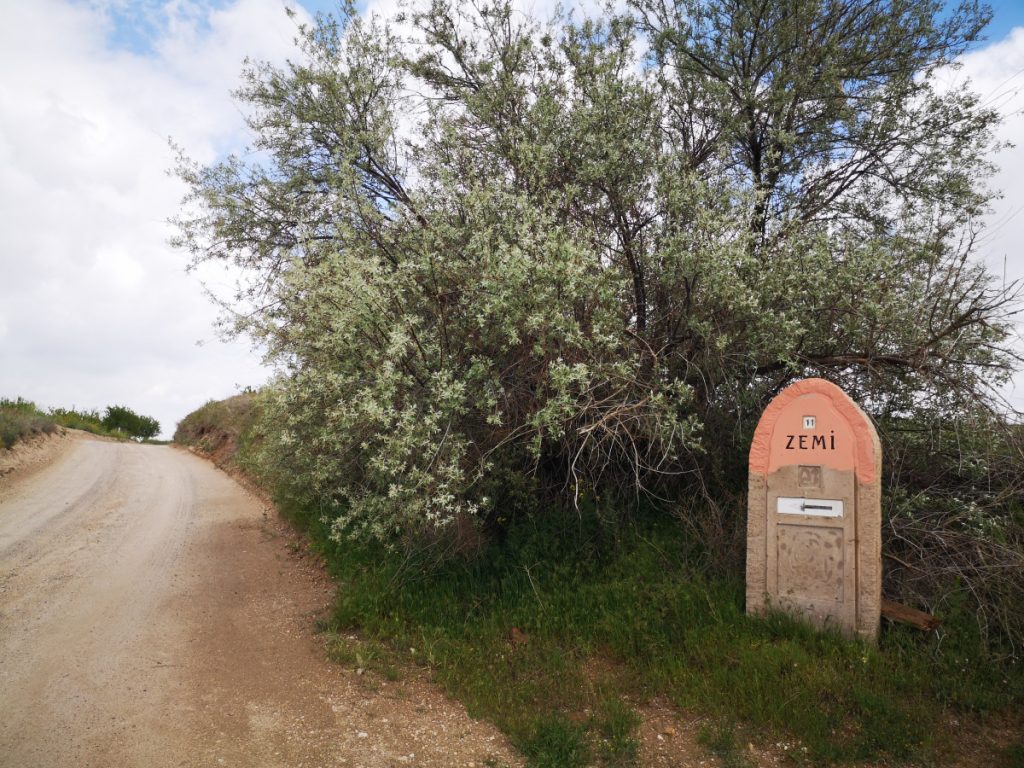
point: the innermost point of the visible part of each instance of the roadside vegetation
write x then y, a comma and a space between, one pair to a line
530, 284
118, 419
21, 419
221, 429
561, 631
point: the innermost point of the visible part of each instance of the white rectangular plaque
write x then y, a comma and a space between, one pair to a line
788, 505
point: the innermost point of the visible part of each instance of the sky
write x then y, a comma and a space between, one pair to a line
96, 307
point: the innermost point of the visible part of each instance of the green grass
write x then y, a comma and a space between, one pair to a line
555, 742
87, 421
608, 614
614, 725
363, 656
720, 739
20, 419
220, 427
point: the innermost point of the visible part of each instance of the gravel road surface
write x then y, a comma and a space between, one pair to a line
154, 613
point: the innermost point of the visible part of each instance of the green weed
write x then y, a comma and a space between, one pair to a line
720, 739
565, 617
556, 743
615, 727
362, 656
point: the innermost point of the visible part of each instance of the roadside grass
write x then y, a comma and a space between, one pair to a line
561, 632
557, 634
20, 419
92, 421
720, 739
220, 428
87, 421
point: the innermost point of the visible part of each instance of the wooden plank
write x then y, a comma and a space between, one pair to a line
907, 615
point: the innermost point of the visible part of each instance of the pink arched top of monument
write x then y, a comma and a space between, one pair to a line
842, 437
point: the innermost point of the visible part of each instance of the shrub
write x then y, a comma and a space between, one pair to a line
19, 419
85, 420
519, 246
118, 418
954, 522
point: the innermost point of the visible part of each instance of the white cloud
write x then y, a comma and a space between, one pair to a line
95, 307
996, 72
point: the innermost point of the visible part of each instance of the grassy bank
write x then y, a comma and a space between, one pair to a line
219, 428
87, 421
20, 420
561, 634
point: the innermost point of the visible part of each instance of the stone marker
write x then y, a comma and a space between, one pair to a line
814, 520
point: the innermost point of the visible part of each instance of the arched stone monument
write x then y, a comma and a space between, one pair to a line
814, 510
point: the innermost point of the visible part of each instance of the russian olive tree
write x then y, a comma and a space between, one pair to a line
482, 247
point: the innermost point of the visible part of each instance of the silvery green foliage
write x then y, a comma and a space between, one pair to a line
569, 246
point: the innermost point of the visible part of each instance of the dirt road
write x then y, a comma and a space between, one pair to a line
153, 613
